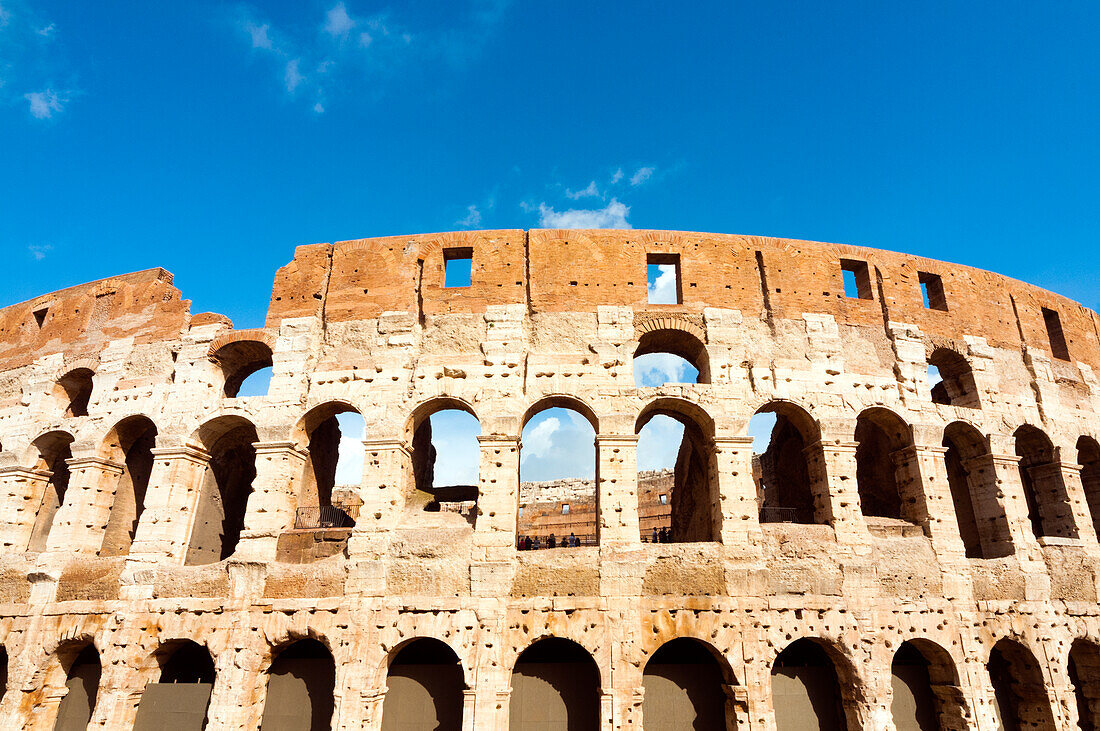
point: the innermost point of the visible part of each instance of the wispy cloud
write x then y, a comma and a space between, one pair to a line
46, 31
662, 291
617, 176
590, 192
641, 175
260, 38
44, 104
472, 217
39, 251
292, 77
337, 21
613, 215
5, 16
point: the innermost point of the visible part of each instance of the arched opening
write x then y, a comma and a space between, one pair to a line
239, 360
786, 489
672, 426
1088, 456
328, 496
806, 694
1018, 687
683, 684
555, 684
424, 688
300, 688
74, 389
180, 699
1084, 674
557, 473
226, 485
880, 437
670, 356
1048, 506
82, 686
53, 449
926, 694
131, 444
983, 525
951, 380
446, 456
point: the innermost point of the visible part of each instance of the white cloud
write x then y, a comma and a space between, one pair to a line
337, 21
655, 369
663, 290
365, 39
5, 16
641, 175
46, 31
659, 443
43, 104
472, 218
590, 192
293, 77
319, 108
39, 251
260, 38
617, 176
540, 440
349, 462
613, 215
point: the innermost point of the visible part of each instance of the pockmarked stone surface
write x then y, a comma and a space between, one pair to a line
914, 549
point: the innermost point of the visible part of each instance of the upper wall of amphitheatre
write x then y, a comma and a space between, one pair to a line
549, 271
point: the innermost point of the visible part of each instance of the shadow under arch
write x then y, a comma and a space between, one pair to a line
425, 681
78, 661
680, 343
48, 453
1018, 686
1083, 665
814, 686
180, 696
1048, 504
971, 477
684, 682
881, 436
926, 693
1088, 456
793, 487
555, 684
300, 686
129, 443
695, 514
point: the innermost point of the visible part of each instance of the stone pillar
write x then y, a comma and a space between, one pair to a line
736, 706
1006, 468
387, 483
607, 712
922, 481
271, 506
491, 568
239, 692
372, 700
617, 490
1078, 503
469, 701
170, 503
832, 465
1059, 517
737, 509
81, 520
21, 491
492, 707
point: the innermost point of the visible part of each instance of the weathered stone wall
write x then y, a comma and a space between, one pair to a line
553, 318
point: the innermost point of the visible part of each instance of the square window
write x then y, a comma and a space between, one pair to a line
565, 508
931, 290
663, 498
857, 279
457, 267
1056, 335
663, 279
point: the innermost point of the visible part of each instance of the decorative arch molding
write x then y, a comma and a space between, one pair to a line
317, 411
380, 671
602, 660
564, 401
647, 322
236, 336
76, 362
276, 642
426, 248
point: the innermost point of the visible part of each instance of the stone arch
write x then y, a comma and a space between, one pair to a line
129, 443
301, 682
1048, 506
815, 687
1088, 456
971, 477
555, 679
695, 498
1083, 666
563, 401
676, 335
179, 698
882, 437
418, 430
239, 354
71, 681
926, 693
1019, 690
425, 681
792, 485
686, 682
49, 453
957, 386
73, 389
227, 483
319, 432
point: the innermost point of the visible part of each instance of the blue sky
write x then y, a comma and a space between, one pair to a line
212, 138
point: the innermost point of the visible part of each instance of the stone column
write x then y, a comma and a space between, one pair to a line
1052, 494
81, 521
832, 467
372, 700
170, 503
491, 568
1078, 503
607, 712
492, 708
1006, 468
738, 510
922, 481
387, 483
271, 506
469, 701
617, 490
21, 491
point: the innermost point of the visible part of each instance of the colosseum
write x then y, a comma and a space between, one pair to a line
909, 552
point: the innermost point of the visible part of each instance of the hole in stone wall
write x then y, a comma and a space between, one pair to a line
1055, 334
881, 436
257, 383
458, 267
446, 457
239, 360
557, 465
300, 688
328, 496
931, 288
82, 684
857, 279
805, 689
1018, 687
40, 316
74, 389
1088, 456
951, 380
1084, 675
670, 356
1048, 506
555, 684
423, 688
130, 443
663, 279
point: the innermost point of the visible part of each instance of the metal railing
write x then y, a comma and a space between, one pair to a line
315, 517
779, 515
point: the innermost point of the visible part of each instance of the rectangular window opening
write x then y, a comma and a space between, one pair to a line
40, 316
1056, 335
565, 508
663, 498
458, 266
931, 289
663, 279
857, 279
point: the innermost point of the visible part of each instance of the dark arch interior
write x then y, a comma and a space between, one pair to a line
1018, 687
1088, 456
915, 706
555, 684
188, 663
805, 690
683, 688
179, 701
53, 449
240, 360
1048, 505
134, 440
82, 682
219, 517
677, 342
300, 688
1084, 674
785, 485
77, 387
879, 435
3, 671
957, 386
424, 688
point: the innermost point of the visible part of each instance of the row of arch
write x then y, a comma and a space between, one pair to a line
556, 683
